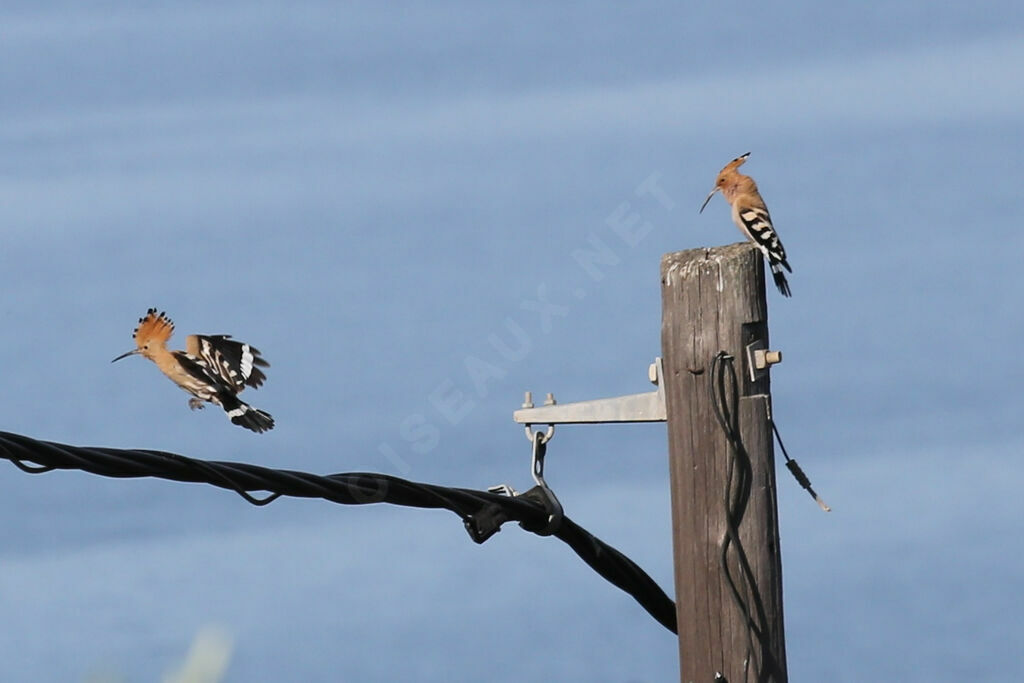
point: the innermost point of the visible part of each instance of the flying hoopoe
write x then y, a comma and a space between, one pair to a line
212, 368
750, 215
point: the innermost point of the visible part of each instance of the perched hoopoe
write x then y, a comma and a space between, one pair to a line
212, 368
751, 216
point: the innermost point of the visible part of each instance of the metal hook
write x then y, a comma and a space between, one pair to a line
541, 490
538, 494
546, 436
549, 400
537, 459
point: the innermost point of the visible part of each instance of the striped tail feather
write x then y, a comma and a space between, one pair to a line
244, 415
780, 279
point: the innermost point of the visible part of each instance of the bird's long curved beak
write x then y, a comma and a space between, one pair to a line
125, 355
710, 195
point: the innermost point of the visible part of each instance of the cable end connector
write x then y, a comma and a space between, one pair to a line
802, 479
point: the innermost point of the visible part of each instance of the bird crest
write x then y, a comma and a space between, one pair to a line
154, 327
734, 164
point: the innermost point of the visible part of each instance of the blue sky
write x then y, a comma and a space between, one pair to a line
372, 193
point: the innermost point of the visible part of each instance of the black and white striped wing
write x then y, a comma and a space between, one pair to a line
757, 223
199, 380
237, 363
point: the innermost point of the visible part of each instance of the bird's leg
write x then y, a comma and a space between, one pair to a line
196, 403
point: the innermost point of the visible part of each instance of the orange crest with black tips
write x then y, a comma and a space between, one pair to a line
153, 328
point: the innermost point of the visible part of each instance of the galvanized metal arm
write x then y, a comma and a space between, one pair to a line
646, 407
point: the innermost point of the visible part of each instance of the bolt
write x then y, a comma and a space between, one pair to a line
762, 358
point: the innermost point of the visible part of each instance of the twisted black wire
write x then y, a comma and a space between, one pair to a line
482, 512
725, 400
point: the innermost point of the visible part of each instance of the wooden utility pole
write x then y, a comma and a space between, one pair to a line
714, 300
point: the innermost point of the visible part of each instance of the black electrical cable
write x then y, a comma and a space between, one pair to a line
795, 469
482, 512
724, 393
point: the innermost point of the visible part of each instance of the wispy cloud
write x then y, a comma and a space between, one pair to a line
939, 83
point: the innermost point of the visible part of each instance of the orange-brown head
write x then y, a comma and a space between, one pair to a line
151, 335
730, 180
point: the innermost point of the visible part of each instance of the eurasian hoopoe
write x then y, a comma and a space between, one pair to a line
212, 368
750, 214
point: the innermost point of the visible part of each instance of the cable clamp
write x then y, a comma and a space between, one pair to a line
540, 494
487, 521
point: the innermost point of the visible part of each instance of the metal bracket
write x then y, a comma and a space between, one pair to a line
646, 407
759, 358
